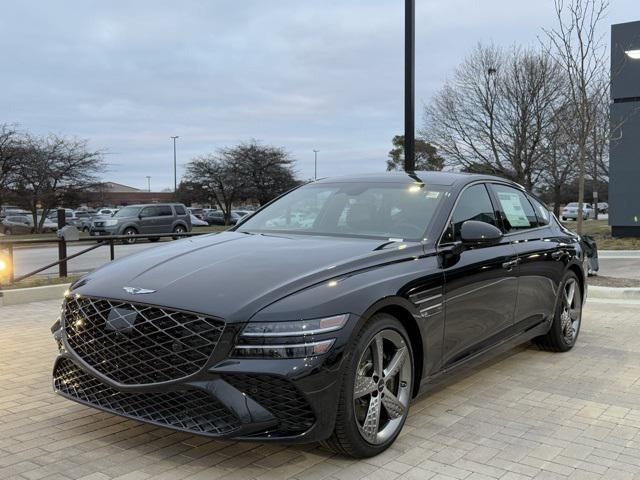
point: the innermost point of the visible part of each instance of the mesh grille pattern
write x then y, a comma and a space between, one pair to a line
191, 410
139, 344
278, 396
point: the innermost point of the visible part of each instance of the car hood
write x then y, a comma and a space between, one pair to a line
234, 275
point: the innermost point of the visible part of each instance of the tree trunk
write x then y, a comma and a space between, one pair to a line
580, 188
557, 195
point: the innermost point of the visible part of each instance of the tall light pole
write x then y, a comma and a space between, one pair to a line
149, 183
409, 85
315, 164
175, 166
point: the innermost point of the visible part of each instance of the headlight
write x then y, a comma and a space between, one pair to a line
110, 223
292, 339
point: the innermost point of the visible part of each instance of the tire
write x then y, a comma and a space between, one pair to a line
8, 231
358, 400
564, 219
86, 229
129, 231
564, 331
179, 229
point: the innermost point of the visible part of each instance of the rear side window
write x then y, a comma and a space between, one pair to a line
473, 204
517, 212
164, 211
180, 210
542, 212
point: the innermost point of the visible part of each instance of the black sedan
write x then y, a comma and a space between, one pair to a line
321, 316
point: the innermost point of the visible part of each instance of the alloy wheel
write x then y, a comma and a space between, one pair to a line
382, 387
571, 311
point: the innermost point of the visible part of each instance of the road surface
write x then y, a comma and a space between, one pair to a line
623, 264
26, 260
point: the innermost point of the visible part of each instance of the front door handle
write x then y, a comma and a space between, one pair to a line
510, 264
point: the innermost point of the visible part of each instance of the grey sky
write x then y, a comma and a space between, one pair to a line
323, 74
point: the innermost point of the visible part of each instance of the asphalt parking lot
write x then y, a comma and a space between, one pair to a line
527, 414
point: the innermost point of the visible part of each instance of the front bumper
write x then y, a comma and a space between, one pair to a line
285, 400
103, 231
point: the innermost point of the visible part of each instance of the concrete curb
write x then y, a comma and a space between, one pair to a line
613, 293
33, 294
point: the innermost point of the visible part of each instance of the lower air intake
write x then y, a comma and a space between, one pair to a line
189, 410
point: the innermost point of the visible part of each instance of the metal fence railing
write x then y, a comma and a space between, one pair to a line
7, 248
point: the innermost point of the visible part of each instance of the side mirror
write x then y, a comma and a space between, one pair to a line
478, 234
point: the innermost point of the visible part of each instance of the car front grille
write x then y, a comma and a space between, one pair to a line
280, 397
139, 344
190, 410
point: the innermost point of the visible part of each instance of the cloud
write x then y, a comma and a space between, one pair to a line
325, 74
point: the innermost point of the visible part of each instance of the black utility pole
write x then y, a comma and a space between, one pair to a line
175, 165
409, 86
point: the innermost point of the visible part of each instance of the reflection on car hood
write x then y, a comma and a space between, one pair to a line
233, 275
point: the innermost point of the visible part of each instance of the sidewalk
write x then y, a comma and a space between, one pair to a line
526, 415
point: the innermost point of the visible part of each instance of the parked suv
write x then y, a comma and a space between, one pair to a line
144, 219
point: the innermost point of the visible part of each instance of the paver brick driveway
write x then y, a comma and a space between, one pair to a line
527, 414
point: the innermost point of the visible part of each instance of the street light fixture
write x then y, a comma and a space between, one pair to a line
633, 54
315, 170
175, 167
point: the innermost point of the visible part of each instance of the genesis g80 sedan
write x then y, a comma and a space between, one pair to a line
322, 315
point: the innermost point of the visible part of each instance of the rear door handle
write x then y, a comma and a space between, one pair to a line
509, 265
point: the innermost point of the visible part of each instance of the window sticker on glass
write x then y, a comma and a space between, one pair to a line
433, 194
513, 210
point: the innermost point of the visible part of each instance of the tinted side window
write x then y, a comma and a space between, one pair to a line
517, 212
180, 210
542, 212
473, 204
164, 211
148, 212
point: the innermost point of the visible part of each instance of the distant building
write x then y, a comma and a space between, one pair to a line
624, 159
116, 194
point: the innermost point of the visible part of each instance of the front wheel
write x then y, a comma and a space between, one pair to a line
7, 231
130, 232
565, 328
179, 229
376, 389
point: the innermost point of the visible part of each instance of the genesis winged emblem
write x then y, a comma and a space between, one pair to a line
137, 291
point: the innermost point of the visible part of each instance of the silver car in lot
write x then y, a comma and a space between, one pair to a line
570, 211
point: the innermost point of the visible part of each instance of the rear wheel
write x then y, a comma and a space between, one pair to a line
565, 328
179, 229
8, 231
129, 232
376, 390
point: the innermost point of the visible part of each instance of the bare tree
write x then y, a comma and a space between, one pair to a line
10, 140
267, 170
52, 168
579, 48
494, 114
558, 161
219, 177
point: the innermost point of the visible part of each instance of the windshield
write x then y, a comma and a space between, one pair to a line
380, 210
127, 212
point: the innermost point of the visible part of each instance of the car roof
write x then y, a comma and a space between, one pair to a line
429, 178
